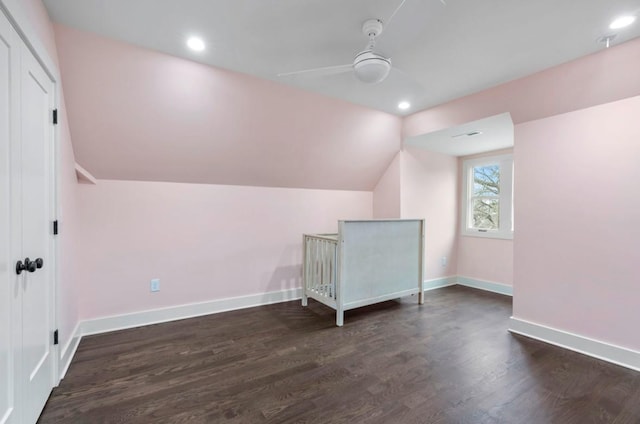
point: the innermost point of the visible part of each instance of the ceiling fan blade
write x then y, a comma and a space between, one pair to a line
388, 21
327, 70
393, 15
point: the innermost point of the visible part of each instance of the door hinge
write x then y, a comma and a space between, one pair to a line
55, 337
55, 227
55, 116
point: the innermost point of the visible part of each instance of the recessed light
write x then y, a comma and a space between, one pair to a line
196, 44
404, 105
622, 21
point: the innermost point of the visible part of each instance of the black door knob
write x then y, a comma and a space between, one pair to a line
30, 265
20, 267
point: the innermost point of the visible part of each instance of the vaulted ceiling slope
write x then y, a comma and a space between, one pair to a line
445, 51
606, 76
136, 114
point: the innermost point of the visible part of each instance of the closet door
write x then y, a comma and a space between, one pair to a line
26, 194
36, 139
9, 280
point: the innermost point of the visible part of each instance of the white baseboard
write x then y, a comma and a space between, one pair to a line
485, 285
173, 313
69, 350
438, 283
607, 352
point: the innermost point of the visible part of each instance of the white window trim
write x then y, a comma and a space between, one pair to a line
506, 196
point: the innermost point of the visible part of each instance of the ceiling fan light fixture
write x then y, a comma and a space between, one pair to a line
371, 68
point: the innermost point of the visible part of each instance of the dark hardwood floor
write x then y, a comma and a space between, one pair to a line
448, 361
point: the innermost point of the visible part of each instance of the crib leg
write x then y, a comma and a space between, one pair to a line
421, 298
339, 317
305, 299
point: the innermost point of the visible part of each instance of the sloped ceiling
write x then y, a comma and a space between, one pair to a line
445, 51
484, 135
136, 114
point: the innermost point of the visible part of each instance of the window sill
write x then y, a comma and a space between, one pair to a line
488, 234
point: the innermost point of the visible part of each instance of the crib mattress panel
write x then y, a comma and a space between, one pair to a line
380, 258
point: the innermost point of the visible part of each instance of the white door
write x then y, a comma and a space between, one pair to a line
9, 65
26, 186
36, 139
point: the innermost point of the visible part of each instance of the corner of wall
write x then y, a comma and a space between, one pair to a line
386, 194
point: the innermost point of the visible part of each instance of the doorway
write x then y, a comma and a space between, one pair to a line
27, 210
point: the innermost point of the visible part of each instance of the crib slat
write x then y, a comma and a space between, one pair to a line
320, 267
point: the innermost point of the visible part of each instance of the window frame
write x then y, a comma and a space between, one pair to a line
505, 230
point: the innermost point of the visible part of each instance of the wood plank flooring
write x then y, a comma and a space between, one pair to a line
448, 361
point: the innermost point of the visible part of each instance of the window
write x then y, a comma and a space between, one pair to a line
488, 197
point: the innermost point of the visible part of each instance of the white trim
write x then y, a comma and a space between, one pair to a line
173, 313
493, 234
23, 26
83, 176
601, 350
69, 351
485, 285
438, 283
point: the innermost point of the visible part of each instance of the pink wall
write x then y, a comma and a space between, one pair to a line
608, 75
482, 258
486, 259
67, 303
386, 195
137, 114
429, 190
577, 245
601, 77
422, 184
204, 242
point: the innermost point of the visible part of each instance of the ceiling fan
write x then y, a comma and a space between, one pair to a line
368, 66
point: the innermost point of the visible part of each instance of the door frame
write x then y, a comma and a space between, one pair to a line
18, 19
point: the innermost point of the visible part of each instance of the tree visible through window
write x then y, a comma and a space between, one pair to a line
488, 200
486, 197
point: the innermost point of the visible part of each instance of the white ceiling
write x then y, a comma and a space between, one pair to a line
484, 135
445, 52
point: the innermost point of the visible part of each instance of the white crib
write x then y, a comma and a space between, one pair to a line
365, 263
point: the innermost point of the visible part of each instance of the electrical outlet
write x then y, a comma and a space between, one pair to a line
155, 285
443, 261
